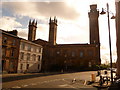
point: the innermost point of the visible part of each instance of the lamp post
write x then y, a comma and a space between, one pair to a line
113, 17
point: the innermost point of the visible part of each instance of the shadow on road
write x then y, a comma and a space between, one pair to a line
27, 76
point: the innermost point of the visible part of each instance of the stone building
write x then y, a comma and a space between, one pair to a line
30, 57
117, 35
70, 56
10, 51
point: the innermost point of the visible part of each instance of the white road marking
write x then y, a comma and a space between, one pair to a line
85, 82
33, 84
66, 85
16, 87
24, 85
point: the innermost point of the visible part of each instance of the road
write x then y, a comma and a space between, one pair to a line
53, 81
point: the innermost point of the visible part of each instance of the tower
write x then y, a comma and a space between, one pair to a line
117, 35
52, 31
32, 30
93, 24
94, 30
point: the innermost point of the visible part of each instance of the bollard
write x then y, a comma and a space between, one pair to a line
93, 77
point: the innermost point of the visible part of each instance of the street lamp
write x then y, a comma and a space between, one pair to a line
113, 17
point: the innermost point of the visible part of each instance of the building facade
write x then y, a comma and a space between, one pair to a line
30, 57
58, 57
117, 35
10, 51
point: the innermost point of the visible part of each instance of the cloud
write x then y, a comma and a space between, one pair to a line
23, 32
42, 9
103, 47
9, 23
42, 31
73, 21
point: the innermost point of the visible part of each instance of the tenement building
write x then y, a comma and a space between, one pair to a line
30, 57
10, 51
117, 34
69, 56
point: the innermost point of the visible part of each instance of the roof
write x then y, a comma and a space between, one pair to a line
41, 42
5, 32
30, 42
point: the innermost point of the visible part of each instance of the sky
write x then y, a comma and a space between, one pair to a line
72, 16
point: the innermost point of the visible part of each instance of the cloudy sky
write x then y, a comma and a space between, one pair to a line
72, 16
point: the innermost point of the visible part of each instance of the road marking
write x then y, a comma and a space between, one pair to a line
16, 87
66, 85
85, 82
24, 85
63, 85
33, 84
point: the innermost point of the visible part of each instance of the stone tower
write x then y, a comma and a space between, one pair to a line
32, 30
93, 24
94, 30
52, 31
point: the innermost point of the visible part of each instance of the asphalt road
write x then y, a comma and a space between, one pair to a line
54, 81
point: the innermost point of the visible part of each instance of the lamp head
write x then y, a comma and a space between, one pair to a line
103, 12
113, 17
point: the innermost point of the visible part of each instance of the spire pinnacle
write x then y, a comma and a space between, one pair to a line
36, 22
33, 22
50, 19
30, 22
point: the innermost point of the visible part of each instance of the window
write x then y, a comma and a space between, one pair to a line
38, 58
21, 55
12, 52
29, 48
21, 65
13, 43
38, 66
3, 51
27, 66
40, 50
90, 53
23, 46
89, 64
34, 57
28, 56
11, 65
81, 54
34, 49
73, 54
5, 40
